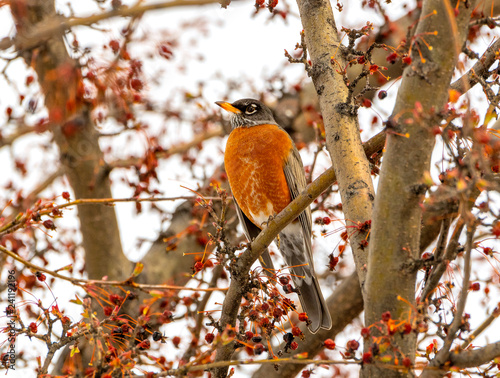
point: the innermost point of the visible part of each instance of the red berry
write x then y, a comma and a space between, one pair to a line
326, 220
284, 280
303, 317
209, 338
66, 196
306, 373
407, 328
294, 345
366, 103
277, 313
407, 60
136, 84
392, 58
115, 45
248, 335
176, 341
296, 331
40, 276
475, 286
352, 345
198, 266
146, 344
107, 310
329, 344
406, 362
367, 357
386, 316
33, 327
365, 332
272, 4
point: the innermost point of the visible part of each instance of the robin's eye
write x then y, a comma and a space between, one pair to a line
252, 108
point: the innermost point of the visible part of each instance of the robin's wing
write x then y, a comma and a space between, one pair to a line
296, 180
251, 231
301, 262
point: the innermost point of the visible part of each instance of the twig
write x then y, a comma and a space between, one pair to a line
479, 70
443, 355
85, 283
60, 25
439, 269
485, 324
182, 371
20, 220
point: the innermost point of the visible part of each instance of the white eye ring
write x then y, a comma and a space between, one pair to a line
252, 108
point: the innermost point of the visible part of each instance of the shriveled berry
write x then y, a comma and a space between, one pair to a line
258, 349
352, 345
157, 336
294, 345
386, 316
284, 280
49, 224
288, 337
257, 338
209, 338
288, 289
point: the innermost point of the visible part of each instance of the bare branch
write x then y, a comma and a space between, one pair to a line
83, 282
59, 25
479, 70
434, 368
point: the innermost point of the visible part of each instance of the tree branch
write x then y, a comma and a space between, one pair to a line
58, 25
479, 70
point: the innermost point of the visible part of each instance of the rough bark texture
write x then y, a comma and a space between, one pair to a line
342, 130
397, 213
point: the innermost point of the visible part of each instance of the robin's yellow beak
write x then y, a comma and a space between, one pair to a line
227, 106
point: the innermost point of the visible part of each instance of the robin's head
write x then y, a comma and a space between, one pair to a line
248, 112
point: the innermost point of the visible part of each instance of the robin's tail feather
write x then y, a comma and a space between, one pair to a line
295, 251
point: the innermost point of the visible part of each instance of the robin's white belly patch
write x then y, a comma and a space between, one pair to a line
263, 216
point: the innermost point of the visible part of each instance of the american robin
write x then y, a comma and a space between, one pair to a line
265, 173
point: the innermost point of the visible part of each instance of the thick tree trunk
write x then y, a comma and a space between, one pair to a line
397, 212
341, 126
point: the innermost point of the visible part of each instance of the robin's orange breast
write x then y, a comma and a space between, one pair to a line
254, 161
